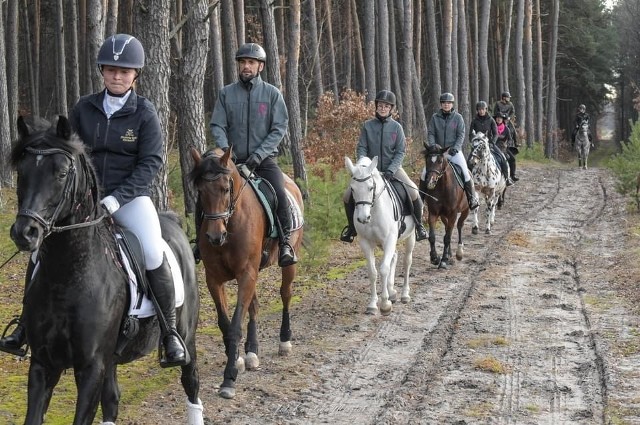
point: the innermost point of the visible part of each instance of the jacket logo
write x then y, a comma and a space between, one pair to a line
262, 110
129, 136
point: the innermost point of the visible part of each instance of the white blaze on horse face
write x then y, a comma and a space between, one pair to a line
434, 158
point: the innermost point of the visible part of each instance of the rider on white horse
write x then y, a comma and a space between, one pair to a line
485, 124
383, 137
581, 116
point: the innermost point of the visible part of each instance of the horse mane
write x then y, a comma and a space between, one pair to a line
210, 164
43, 134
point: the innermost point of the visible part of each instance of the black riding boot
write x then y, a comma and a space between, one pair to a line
421, 232
470, 191
287, 255
504, 167
161, 283
13, 343
512, 167
198, 222
349, 232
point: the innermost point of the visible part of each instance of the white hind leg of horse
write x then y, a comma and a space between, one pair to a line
408, 260
391, 280
388, 257
372, 307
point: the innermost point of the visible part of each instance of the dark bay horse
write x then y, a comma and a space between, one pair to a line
445, 199
233, 244
78, 299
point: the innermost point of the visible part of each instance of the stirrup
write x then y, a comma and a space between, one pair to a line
21, 352
285, 261
347, 235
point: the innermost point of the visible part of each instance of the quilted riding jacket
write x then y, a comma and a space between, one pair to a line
446, 130
384, 139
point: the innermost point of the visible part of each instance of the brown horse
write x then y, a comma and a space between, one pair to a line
445, 199
234, 244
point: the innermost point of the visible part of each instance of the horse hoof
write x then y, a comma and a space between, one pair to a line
372, 310
385, 308
285, 348
474, 230
435, 261
227, 392
406, 299
393, 297
251, 361
443, 265
240, 364
487, 232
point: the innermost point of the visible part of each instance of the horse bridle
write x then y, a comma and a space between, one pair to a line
226, 215
440, 172
373, 200
70, 187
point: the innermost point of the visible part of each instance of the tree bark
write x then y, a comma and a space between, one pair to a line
95, 38
406, 50
433, 58
314, 48
483, 40
539, 114
292, 97
238, 10
331, 52
463, 93
447, 29
190, 92
520, 100
369, 36
229, 41
73, 86
11, 41
5, 134
382, 37
151, 24
528, 73
551, 146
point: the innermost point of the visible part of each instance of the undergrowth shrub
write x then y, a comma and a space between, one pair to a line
626, 164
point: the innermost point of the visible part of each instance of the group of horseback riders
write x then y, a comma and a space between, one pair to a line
376, 140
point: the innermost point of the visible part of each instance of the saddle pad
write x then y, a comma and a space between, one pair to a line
297, 221
140, 305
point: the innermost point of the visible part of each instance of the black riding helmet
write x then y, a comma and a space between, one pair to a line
121, 50
506, 94
386, 96
251, 51
500, 115
447, 97
481, 105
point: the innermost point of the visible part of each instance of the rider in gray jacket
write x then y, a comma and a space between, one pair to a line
446, 129
383, 137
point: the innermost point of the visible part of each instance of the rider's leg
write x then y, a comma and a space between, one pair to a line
14, 342
349, 232
141, 218
469, 188
512, 166
412, 191
270, 171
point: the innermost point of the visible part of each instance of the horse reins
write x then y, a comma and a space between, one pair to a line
226, 215
374, 190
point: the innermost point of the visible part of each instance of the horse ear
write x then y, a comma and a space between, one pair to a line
374, 163
64, 127
195, 154
23, 129
348, 164
225, 157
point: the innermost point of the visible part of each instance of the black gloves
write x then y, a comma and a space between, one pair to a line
388, 174
253, 161
453, 151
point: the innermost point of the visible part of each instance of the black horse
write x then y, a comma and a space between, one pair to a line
77, 301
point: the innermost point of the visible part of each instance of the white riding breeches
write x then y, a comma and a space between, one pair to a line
461, 161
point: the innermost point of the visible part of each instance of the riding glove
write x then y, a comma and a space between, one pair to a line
110, 203
253, 161
388, 174
453, 151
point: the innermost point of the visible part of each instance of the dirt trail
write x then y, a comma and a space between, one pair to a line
535, 302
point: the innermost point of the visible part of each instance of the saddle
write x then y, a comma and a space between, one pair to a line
457, 172
400, 197
131, 259
266, 195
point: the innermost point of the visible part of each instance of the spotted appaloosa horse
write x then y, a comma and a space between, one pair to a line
583, 144
377, 222
487, 178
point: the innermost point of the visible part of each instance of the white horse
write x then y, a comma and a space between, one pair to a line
487, 177
377, 221
583, 144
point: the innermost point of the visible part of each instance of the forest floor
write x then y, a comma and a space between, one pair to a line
538, 323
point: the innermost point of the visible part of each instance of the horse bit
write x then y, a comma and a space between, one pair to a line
70, 184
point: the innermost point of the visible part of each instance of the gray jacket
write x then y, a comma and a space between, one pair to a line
384, 139
446, 130
251, 116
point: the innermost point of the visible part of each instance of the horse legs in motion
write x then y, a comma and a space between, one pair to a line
583, 145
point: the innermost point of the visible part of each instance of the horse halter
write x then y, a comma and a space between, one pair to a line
70, 187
